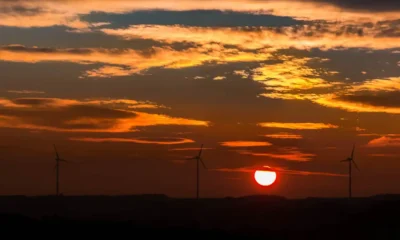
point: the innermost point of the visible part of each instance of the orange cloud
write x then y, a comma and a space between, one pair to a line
121, 103
287, 78
117, 115
17, 123
242, 73
384, 142
392, 135
300, 126
128, 124
290, 155
7, 103
58, 102
130, 61
148, 106
21, 123
293, 96
333, 102
103, 125
219, 78
378, 85
110, 71
378, 135
67, 13
284, 135
134, 140
263, 37
292, 74
358, 129
25, 92
144, 119
368, 134
36, 102
245, 144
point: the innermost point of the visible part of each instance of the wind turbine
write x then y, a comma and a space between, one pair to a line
351, 161
198, 159
57, 168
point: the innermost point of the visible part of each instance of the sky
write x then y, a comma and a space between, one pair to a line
128, 90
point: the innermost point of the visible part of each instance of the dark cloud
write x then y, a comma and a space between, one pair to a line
386, 99
71, 115
68, 112
148, 52
97, 112
378, 64
31, 101
77, 51
21, 48
200, 18
21, 10
363, 5
40, 113
389, 28
379, 29
59, 37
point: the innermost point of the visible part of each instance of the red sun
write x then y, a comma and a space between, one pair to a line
265, 178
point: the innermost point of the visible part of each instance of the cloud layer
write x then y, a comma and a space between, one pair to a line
284, 135
287, 155
128, 61
159, 141
51, 12
91, 115
245, 144
300, 125
328, 36
385, 141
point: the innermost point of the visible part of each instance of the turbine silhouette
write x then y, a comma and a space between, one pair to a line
199, 160
351, 161
57, 168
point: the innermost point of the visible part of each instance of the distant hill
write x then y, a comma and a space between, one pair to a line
261, 216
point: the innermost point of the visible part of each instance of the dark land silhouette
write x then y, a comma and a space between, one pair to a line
251, 217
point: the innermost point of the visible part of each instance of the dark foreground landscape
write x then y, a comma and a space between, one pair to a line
253, 217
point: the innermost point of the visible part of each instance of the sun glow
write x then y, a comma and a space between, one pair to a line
265, 178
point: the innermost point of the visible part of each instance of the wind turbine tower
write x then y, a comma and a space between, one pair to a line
57, 168
351, 161
199, 160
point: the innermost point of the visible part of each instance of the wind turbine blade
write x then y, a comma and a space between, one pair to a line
201, 160
346, 160
201, 150
355, 165
352, 152
192, 158
55, 149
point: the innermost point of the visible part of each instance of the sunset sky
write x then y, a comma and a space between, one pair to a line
128, 90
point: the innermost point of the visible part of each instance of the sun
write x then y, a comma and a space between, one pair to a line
265, 178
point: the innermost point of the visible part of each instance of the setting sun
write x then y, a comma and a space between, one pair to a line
265, 178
